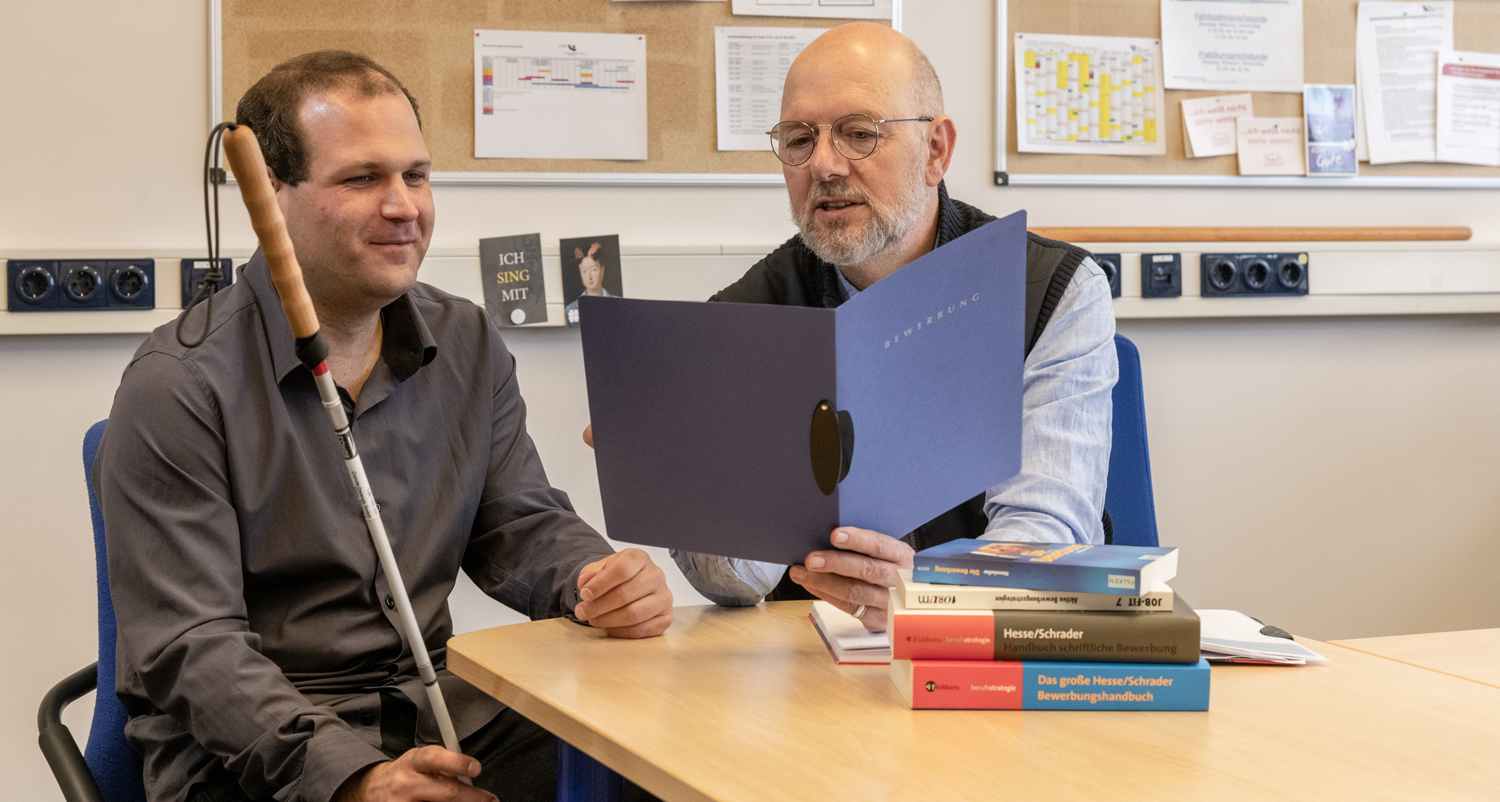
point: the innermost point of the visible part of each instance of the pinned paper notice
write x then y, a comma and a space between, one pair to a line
1270, 145
1397, 44
1208, 124
1468, 108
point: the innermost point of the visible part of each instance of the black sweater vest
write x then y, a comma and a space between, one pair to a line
792, 275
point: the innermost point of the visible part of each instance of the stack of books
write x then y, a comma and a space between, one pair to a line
996, 625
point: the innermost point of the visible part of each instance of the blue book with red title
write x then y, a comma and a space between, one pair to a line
983, 685
1068, 567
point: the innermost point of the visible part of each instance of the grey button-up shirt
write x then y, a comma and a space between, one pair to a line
256, 628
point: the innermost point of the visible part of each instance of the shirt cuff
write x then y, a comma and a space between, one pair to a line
728, 581
570, 598
332, 757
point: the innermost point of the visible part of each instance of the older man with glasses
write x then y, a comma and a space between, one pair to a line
864, 144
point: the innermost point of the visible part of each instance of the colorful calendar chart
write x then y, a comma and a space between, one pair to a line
1089, 94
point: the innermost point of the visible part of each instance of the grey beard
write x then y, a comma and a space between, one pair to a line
842, 246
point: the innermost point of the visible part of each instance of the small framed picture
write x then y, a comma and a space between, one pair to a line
590, 266
1328, 119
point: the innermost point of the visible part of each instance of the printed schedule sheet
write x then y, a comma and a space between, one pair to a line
750, 65
1089, 94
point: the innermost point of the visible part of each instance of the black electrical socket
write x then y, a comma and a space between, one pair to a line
1110, 264
1161, 275
1234, 274
194, 271
81, 284
132, 284
31, 285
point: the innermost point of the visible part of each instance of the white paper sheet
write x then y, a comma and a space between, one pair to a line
832, 9
555, 95
1089, 94
1250, 46
750, 67
1234, 633
1270, 145
1468, 108
1397, 45
1208, 127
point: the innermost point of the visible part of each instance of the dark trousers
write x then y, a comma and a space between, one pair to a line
518, 758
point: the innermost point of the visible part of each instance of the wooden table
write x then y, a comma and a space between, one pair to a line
746, 704
1473, 654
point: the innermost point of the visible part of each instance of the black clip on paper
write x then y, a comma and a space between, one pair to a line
1276, 632
831, 445
1270, 631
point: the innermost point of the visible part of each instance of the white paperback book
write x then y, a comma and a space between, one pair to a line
847, 639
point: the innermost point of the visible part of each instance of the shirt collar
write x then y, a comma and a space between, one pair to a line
408, 344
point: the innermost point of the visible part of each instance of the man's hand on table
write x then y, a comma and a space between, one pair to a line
626, 595
860, 573
426, 774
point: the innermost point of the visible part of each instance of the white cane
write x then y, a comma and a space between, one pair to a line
249, 166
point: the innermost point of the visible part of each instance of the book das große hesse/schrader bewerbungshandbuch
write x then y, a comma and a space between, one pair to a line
988, 685
1072, 567
1063, 635
934, 596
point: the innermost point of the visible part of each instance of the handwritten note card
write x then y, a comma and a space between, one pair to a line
1270, 145
1208, 124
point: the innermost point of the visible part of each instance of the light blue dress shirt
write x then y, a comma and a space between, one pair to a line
1066, 406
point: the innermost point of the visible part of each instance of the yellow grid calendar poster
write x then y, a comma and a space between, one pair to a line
1089, 94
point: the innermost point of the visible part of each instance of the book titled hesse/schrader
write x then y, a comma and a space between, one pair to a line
1070, 635
1117, 570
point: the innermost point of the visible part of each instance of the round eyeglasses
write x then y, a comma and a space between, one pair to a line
854, 136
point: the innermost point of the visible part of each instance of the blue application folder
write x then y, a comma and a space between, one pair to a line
708, 432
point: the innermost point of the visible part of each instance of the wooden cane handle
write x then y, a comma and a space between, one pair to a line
249, 166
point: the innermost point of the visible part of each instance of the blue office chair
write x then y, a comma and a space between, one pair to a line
1128, 496
108, 771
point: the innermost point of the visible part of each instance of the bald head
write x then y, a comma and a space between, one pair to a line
867, 204
877, 61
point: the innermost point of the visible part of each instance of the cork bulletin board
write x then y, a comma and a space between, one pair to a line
429, 45
1328, 57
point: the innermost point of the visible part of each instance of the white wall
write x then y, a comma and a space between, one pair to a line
1335, 475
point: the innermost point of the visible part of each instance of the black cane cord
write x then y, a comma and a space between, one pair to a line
210, 283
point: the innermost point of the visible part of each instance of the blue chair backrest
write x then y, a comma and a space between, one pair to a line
116, 768
1131, 505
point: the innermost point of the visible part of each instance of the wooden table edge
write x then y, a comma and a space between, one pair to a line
1344, 645
616, 756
